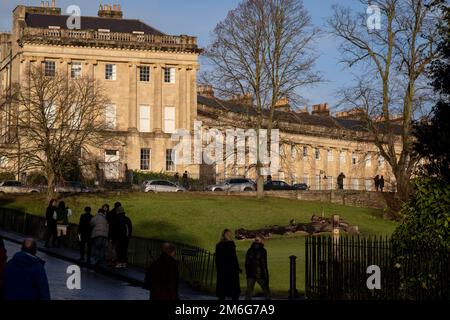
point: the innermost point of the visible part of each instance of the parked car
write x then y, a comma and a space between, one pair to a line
11, 186
161, 186
73, 187
234, 185
300, 186
276, 185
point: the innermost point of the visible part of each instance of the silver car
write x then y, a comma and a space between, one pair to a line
161, 186
11, 186
234, 185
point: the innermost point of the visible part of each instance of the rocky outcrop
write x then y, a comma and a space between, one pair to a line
316, 226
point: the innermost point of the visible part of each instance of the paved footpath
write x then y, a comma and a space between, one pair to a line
107, 284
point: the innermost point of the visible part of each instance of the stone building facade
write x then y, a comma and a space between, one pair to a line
151, 80
314, 147
149, 77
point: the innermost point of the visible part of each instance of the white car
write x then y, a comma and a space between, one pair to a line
161, 186
11, 186
234, 185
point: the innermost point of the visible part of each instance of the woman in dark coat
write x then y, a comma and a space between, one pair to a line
227, 265
50, 222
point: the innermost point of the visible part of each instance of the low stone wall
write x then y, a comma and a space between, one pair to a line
366, 199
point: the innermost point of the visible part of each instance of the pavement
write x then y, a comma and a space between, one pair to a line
132, 275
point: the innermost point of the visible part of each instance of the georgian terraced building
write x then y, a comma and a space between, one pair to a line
151, 80
149, 77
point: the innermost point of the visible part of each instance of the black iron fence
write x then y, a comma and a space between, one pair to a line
197, 266
338, 269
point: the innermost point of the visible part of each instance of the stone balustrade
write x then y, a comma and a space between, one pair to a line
116, 39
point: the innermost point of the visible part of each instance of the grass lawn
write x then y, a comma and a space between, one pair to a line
199, 219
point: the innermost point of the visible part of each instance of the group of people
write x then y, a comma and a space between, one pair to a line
184, 180
379, 183
104, 237
57, 221
162, 278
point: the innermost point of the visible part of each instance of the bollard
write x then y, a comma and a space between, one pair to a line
293, 293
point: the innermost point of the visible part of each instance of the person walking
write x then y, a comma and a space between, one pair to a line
123, 229
227, 267
84, 234
25, 276
162, 278
340, 181
50, 223
186, 180
256, 269
176, 178
63, 213
376, 180
3, 259
99, 237
381, 183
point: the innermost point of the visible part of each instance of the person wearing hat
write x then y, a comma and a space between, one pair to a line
123, 230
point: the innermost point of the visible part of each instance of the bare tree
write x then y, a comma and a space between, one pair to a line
263, 49
395, 59
59, 123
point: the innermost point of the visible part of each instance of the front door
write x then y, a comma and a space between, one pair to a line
112, 165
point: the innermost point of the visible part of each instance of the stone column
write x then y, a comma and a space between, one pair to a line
182, 108
132, 102
90, 65
157, 108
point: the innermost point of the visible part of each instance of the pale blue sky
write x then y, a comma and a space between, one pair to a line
199, 17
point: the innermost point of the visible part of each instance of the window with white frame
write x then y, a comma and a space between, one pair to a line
49, 68
342, 157
144, 118
305, 152
368, 161
368, 184
111, 116
330, 155
169, 75
110, 71
144, 74
146, 159
75, 116
170, 160
317, 154
169, 119
317, 182
354, 159
50, 114
75, 70
306, 180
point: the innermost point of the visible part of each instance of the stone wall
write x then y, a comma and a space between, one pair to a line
366, 199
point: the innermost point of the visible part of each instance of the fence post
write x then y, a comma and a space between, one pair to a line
293, 293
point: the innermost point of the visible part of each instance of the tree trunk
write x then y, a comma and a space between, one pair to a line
51, 183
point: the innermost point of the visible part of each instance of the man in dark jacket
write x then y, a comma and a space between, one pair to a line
25, 276
122, 234
84, 234
162, 278
256, 269
381, 183
340, 181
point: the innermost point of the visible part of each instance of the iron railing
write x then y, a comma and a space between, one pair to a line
339, 270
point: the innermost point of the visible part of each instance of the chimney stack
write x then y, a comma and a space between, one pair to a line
321, 109
110, 11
